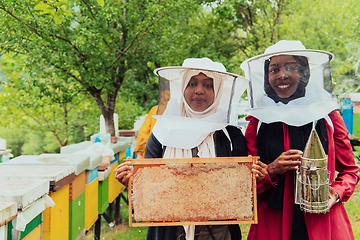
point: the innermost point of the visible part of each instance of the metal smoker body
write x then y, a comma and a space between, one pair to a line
312, 181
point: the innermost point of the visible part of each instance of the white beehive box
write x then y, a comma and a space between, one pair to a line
8, 211
55, 175
122, 144
23, 192
80, 162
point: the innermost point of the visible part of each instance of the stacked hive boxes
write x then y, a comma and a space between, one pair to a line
92, 191
108, 187
115, 187
55, 219
30, 197
96, 181
103, 191
91, 187
350, 109
70, 199
72, 181
8, 211
76, 189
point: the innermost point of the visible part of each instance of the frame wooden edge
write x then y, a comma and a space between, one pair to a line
153, 161
255, 217
130, 201
224, 222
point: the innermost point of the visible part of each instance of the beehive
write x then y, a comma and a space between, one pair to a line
58, 176
193, 191
55, 223
77, 217
56, 219
91, 203
103, 196
33, 229
77, 186
115, 187
80, 162
34, 234
8, 211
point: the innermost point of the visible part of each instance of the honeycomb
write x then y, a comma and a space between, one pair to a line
192, 192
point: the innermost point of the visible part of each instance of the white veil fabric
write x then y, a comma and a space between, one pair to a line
317, 102
178, 127
185, 109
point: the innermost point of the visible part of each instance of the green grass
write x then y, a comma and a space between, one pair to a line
356, 125
352, 207
244, 230
120, 232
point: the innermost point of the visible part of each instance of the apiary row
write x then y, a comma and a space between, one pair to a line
58, 196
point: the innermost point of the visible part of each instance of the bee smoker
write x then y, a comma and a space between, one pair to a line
312, 181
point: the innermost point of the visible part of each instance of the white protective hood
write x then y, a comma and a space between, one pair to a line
317, 102
173, 130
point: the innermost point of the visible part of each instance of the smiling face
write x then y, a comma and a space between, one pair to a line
284, 75
199, 93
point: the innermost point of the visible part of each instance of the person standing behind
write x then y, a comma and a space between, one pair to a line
144, 133
148, 124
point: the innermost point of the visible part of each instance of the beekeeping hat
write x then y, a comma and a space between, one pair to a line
315, 104
175, 128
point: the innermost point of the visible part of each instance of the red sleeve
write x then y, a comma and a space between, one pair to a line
251, 134
251, 143
347, 176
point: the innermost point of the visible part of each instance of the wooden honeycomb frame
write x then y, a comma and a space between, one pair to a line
157, 162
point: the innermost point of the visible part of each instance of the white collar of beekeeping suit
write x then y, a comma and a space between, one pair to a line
316, 102
181, 127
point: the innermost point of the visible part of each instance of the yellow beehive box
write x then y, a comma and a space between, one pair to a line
56, 219
122, 155
91, 203
34, 234
115, 187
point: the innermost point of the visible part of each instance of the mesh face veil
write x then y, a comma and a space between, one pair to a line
289, 83
182, 127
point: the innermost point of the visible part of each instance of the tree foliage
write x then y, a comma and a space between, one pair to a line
110, 48
326, 25
331, 26
94, 46
42, 102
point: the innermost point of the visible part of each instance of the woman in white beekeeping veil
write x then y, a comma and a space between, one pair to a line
199, 121
289, 90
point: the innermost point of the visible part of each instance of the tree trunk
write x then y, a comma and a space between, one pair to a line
109, 121
107, 111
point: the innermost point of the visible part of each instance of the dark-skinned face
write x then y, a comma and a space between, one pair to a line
284, 75
199, 93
